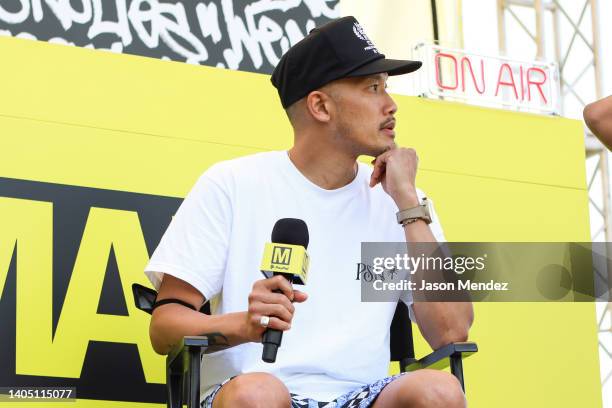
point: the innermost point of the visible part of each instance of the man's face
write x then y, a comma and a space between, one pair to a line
364, 114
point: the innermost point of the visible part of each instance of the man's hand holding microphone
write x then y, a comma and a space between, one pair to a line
270, 309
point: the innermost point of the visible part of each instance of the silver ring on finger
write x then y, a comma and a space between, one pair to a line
264, 321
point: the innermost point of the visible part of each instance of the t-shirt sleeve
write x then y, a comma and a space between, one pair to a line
195, 245
438, 233
435, 226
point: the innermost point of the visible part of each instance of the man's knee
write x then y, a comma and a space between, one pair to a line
253, 390
431, 388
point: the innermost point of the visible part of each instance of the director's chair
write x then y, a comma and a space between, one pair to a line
183, 361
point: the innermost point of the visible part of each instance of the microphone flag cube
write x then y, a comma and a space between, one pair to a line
289, 260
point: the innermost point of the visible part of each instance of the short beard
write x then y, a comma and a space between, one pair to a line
343, 135
344, 131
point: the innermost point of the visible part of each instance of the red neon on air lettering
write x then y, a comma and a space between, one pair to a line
469, 64
499, 81
522, 85
437, 64
537, 84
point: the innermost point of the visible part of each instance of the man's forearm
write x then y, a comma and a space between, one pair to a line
171, 322
440, 323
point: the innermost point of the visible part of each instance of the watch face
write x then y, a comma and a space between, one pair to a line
427, 206
425, 203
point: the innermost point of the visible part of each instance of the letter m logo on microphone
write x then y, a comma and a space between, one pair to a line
281, 256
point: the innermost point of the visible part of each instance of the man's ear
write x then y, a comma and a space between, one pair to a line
320, 106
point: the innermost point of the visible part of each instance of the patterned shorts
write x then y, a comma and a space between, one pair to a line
362, 397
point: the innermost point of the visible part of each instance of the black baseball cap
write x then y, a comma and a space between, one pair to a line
338, 49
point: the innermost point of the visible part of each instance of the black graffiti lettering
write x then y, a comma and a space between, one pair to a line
208, 18
217, 33
120, 27
18, 16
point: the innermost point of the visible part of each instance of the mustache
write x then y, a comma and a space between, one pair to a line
388, 122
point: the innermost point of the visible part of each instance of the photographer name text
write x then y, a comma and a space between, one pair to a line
440, 286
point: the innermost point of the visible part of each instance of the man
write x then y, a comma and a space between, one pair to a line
598, 117
335, 349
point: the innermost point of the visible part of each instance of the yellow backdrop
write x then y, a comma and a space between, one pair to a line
87, 118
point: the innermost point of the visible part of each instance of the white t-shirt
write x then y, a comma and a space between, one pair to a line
215, 242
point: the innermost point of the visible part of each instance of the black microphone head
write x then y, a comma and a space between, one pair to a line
292, 231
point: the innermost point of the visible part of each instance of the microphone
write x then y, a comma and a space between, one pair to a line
285, 256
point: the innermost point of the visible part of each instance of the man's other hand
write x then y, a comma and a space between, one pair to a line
396, 170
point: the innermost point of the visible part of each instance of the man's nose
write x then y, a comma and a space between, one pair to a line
390, 106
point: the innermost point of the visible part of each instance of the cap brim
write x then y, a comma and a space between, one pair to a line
390, 66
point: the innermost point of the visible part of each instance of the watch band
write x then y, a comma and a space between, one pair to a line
410, 221
410, 215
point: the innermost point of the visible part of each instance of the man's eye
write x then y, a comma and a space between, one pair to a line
375, 87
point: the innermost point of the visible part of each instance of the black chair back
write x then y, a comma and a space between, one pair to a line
401, 345
144, 297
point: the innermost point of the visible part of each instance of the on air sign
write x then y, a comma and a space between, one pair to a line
486, 80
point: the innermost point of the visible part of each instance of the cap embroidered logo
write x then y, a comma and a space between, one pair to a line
360, 33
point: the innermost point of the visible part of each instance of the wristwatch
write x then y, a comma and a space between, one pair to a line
420, 212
